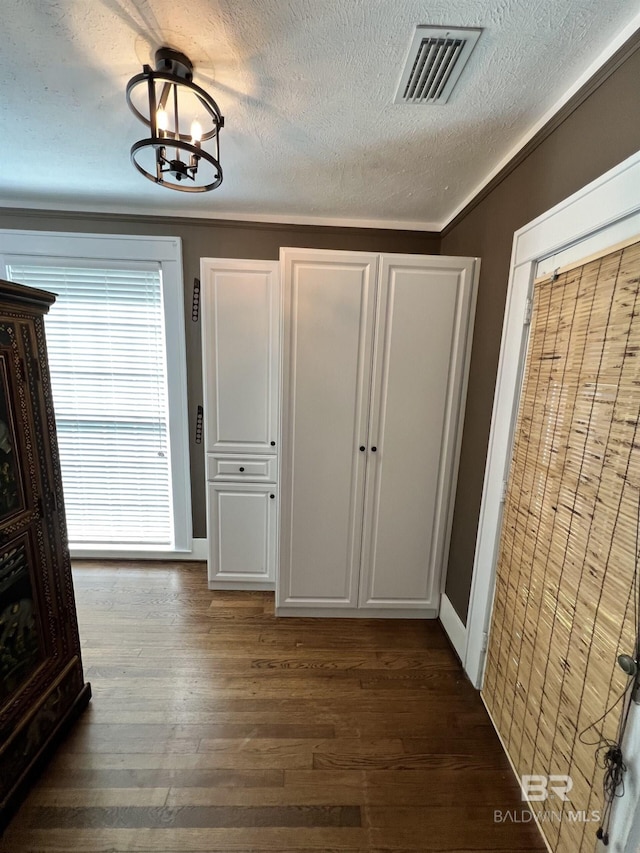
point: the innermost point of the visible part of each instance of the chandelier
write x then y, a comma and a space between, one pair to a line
168, 104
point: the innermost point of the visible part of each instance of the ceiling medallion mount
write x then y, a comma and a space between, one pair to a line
171, 156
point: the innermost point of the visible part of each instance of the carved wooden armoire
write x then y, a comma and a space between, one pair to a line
41, 681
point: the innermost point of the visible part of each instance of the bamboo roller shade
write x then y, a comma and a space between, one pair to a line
564, 604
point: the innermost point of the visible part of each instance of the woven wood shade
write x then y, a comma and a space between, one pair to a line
564, 604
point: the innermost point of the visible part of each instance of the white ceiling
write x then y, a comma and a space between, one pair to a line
306, 88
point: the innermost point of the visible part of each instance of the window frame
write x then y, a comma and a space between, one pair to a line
167, 253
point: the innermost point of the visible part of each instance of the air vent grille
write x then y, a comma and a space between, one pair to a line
436, 59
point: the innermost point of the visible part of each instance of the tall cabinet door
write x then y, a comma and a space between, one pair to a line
241, 315
424, 311
329, 301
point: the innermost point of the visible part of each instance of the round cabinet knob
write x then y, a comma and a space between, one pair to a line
373, 449
362, 448
272, 496
273, 444
242, 469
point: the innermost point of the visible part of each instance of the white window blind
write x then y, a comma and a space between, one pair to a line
106, 343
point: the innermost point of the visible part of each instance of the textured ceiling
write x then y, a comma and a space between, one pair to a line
306, 88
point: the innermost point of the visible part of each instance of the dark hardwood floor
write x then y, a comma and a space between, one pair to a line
217, 727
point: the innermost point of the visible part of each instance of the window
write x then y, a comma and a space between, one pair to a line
115, 338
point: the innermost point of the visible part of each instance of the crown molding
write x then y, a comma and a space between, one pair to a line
621, 48
107, 212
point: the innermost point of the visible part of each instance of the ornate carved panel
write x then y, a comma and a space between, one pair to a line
41, 681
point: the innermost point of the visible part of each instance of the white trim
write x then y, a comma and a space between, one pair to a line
197, 553
586, 75
124, 209
550, 267
509, 374
52, 243
610, 198
176, 366
199, 549
167, 252
601, 214
453, 626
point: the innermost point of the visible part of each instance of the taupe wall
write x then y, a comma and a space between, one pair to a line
207, 238
599, 134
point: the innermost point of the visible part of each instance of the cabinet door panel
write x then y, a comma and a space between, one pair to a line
328, 321
240, 346
423, 320
242, 532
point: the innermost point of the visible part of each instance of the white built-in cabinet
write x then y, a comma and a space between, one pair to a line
375, 362
241, 319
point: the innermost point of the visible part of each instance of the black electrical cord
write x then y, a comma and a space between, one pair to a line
609, 754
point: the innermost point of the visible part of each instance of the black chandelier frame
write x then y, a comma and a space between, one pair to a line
174, 71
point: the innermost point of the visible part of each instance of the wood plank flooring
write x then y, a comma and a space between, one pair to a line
217, 727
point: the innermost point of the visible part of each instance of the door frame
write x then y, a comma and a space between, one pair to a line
605, 212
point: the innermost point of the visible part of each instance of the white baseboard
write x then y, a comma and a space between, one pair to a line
197, 552
453, 627
199, 549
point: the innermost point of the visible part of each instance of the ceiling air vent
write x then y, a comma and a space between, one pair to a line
436, 59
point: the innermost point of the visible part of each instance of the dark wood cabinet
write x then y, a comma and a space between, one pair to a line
42, 687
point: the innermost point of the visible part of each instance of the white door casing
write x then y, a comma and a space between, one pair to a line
600, 215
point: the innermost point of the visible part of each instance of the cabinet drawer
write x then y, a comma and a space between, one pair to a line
253, 469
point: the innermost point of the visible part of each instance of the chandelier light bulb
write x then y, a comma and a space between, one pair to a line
162, 119
196, 132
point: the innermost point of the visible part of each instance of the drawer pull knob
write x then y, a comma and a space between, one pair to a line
373, 449
272, 496
242, 469
362, 448
273, 444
